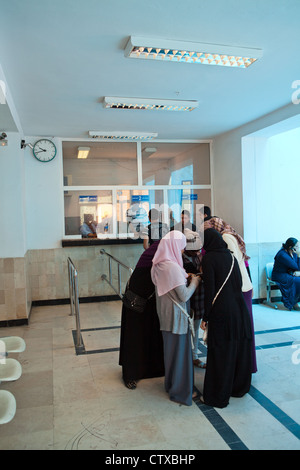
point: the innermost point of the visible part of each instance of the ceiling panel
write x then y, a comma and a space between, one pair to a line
61, 58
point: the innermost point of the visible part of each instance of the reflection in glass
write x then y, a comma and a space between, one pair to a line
191, 200
172, 164
82, 207
133, 208
108, 163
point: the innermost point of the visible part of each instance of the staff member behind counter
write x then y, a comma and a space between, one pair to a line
88, 228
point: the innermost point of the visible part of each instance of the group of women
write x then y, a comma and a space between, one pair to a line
158, 341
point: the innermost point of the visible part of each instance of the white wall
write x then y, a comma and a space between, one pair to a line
44, 199
12, 197
227, 165
271, 170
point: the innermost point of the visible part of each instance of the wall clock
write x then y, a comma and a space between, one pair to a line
44, 150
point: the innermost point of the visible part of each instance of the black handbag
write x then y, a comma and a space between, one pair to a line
134, 301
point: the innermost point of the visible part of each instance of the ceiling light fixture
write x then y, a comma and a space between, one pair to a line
83, 152
148, 151
148, 104
115, 135
191, 52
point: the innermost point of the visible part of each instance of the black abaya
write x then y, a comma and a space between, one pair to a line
229, 363
141, 345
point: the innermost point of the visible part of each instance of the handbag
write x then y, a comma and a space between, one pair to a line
134, 301
205, 332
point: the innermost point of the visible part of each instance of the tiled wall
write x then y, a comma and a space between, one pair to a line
43, 274
15, 295
260, 254
48, 270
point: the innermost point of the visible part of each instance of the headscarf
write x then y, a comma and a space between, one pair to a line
213, 241
167, 265
146, 258
221, 226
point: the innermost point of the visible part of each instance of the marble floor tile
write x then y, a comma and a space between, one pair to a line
69, 401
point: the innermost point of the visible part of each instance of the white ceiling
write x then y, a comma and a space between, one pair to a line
61, 57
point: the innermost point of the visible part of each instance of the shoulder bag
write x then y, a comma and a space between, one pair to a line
134, 301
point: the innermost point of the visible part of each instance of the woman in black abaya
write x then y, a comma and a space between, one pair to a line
229, 363
141, 344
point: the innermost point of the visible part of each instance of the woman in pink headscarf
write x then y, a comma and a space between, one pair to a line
172, 292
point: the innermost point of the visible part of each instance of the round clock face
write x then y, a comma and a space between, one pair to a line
44, 150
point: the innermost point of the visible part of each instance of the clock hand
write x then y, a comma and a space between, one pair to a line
39, 151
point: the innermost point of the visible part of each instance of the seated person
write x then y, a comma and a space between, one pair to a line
286, 273
185, 222
88, 228
155, 231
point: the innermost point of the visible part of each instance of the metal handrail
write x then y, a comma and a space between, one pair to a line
74, 300
120, 264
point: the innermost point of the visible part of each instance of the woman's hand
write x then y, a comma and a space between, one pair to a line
194, 277
203, 325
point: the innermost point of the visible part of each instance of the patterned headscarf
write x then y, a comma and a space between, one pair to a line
221, 226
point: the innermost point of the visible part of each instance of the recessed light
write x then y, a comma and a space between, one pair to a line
83, 152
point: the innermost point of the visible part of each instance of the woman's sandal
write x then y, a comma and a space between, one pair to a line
199, 364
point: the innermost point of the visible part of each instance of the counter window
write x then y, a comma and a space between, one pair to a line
108, 194
88, 210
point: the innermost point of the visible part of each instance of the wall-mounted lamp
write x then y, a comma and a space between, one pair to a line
3, 139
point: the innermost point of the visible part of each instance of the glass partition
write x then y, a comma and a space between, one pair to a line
191, 200
82, 207
174, 164
133, 208
116, 185
106, 163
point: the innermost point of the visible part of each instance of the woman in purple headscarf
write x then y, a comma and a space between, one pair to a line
141, 344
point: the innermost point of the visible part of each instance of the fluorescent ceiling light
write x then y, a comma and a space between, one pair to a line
83, 152
115, 135
148, 104
191, 52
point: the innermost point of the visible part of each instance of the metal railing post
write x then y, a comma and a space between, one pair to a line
119, 264
74, 300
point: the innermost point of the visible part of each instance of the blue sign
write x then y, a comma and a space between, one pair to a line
191, 197
88, 199
140, 198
